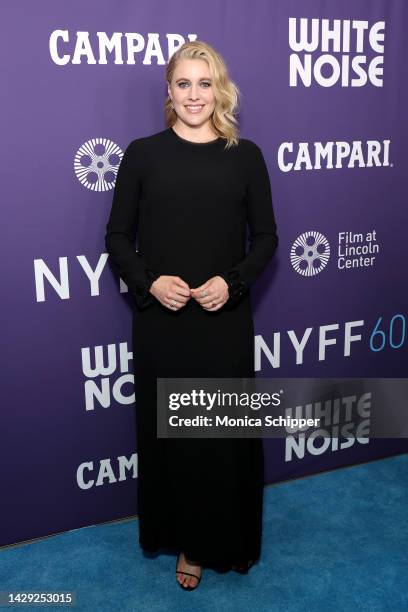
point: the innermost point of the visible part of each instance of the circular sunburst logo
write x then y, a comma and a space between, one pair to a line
310, 253
96, 164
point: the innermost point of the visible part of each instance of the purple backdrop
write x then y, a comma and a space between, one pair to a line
68, 452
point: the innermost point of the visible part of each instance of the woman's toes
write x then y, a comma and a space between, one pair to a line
185, 565
184, 580
193, 581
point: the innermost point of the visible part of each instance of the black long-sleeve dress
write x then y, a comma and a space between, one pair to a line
188, 204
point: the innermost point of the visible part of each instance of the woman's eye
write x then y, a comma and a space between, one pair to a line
182, 83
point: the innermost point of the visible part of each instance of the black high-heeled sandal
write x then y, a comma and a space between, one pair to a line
188, 587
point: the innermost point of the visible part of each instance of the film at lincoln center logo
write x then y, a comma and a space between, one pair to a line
96, 164
310, 253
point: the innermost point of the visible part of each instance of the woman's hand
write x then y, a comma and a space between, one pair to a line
213, 294
171, 291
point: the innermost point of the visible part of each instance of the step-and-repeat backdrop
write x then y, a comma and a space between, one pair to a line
324, 96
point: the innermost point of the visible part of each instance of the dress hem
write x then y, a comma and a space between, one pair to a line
205, 561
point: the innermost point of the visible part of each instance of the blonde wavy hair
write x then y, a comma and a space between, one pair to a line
226, 92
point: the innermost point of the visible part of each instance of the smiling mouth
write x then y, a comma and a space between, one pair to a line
194, 108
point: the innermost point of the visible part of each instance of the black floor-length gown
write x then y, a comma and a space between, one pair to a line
188, 204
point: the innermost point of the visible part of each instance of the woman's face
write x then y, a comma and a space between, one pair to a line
191, 91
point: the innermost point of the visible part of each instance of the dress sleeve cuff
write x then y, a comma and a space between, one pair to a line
236, 286
141, 294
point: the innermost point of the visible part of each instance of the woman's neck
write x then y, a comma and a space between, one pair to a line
202, 133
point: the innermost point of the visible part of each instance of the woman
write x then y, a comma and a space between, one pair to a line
187, 193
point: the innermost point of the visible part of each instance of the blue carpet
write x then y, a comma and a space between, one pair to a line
334, 541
